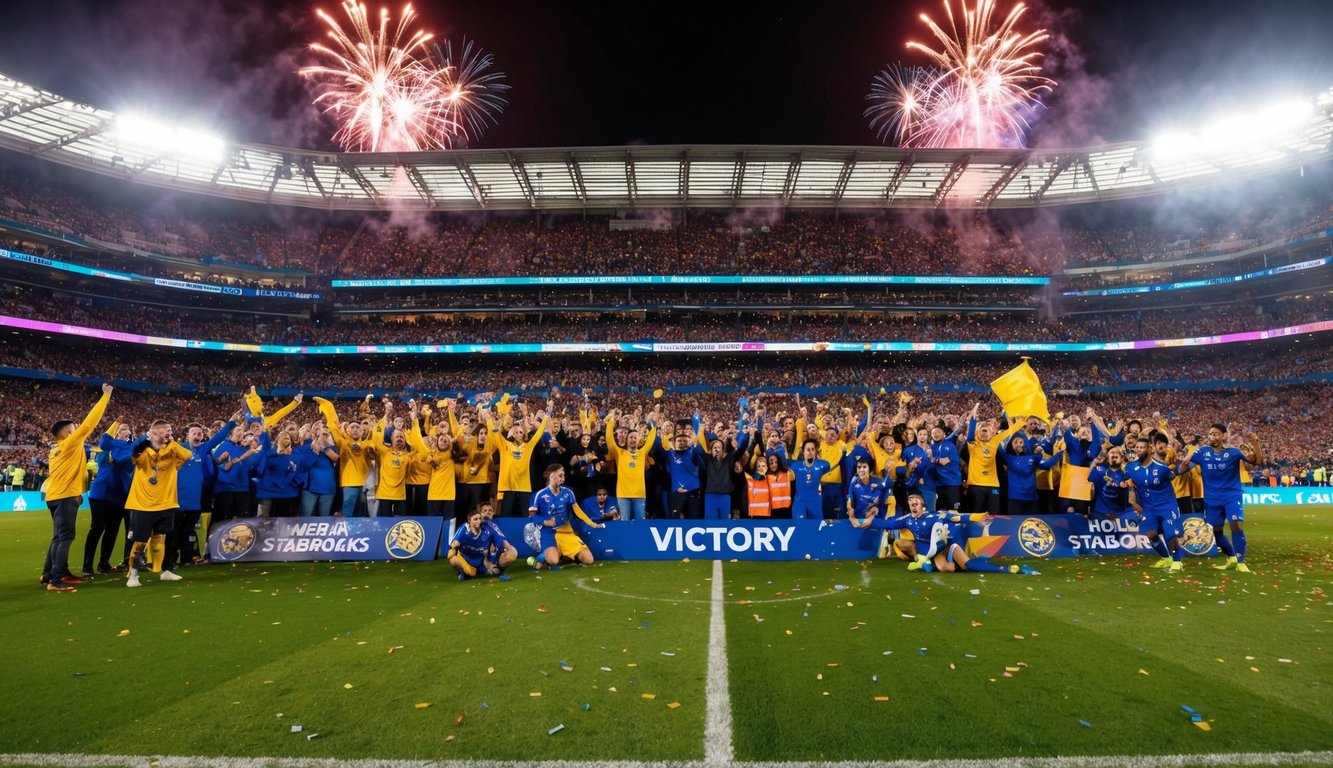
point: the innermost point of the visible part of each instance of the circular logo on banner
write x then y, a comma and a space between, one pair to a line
405, 539
1196, 535
1036, 537
237, 540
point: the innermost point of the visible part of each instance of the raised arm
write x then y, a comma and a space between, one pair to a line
85, 428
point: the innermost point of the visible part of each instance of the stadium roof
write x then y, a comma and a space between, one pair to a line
51, 127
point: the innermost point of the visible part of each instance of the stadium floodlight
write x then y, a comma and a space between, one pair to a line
1266, 127
175, 140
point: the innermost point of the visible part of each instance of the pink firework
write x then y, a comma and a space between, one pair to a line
380, 86
983, 82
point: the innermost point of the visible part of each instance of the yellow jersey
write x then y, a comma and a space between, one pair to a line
443, 477
394, 464
67, 472
630, 465
981, 457
153, 488
516, 460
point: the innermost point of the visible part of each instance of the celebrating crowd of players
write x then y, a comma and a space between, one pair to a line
922, 475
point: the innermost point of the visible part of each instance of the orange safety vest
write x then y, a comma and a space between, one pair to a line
779, 490
757, 493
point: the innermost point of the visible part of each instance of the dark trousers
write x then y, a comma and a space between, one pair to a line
416, 500
229, 505
470, 495
515, 504
182, 542
983, 499
1023, 508
949, 498
63, 514
108, 515
687, 505
443, 509
393, 508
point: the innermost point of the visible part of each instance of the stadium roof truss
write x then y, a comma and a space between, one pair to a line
51, 127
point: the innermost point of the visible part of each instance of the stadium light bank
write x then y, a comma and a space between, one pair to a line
1260, 130
144, 132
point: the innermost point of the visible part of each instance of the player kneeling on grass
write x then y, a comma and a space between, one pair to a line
152, 503
502, 552
549, 531
932, 531
471, 551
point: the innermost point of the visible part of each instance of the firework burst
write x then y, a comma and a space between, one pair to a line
983, 82
473, 95
386, 92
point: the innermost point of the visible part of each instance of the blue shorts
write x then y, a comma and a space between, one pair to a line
807, 509
1168, 524
547, 538
1218, 514
473, 560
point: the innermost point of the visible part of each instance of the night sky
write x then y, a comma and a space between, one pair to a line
672, 72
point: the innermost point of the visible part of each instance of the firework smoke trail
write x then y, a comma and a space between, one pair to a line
381, 87
983, 81
473, 95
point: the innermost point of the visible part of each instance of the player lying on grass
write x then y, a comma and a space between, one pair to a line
946, 549
549, 531
473, 551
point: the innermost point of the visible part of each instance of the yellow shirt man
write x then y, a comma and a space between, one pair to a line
66, 469
630, 462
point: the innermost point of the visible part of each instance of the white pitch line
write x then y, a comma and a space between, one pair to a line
718, 750
1110, 761
583, 584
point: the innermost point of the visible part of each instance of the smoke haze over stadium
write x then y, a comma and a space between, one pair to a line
607, 74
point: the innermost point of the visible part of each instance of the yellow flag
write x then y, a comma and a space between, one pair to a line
253, 403
1020, 392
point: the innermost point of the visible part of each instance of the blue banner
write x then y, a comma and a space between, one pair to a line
324, 538
1183, 285
1256, 496
163, 282
638, 280
26, 501
1004, 537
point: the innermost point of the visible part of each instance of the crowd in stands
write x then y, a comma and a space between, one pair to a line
743, 242
557, 326
1287, 419
620, 296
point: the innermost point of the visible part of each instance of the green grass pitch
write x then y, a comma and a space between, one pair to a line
828, 661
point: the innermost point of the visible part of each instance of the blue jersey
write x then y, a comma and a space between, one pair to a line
863, 496
923, 478
552, 506
1152, 485
480, 543
194, 474
236, 479
1023, 473
808, 478
683, 466
319, 471
919, 526
115, 470
1221, 473
1081, 455
951, 473
1108, 497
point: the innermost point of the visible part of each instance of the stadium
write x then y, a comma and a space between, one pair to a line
405, 415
